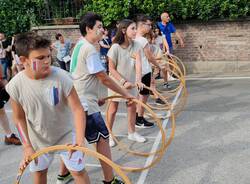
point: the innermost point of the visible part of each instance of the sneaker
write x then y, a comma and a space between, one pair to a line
143, 123
13, 139
117, 181
166, 86
111, 142
159, 101
114, 181
64, 179
136, 137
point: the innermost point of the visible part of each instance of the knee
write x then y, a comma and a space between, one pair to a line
41, 174
112, 110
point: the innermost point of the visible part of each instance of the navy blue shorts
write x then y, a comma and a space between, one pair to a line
4, 97
95, 128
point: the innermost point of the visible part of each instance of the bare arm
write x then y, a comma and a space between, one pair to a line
180, 38
113, 70
103, 45
79, 116
150, 56
165, 45
107, 81
20, 122
138, 66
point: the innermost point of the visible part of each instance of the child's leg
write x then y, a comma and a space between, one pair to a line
131, 117
104, 149
40, 177
80, 177
63, 169
140, 109
75, 165
111, 113
40, 169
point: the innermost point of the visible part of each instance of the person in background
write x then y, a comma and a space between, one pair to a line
5, 48
63, 48
105, 45
167, 28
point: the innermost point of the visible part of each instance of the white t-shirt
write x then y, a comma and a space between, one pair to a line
48, 117
146, 68
85, 64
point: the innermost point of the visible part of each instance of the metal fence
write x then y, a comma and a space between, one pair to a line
60, 11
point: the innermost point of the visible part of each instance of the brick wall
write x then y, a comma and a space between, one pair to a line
209, 47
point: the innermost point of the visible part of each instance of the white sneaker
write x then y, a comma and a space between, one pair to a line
111, 142
136, 137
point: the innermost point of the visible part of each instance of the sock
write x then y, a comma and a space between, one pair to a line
108, 182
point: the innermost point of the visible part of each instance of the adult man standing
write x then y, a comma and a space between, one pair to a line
167, 28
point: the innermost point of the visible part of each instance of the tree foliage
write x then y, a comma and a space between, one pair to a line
205, 10
18, 15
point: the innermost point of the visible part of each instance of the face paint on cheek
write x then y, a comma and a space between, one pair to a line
98, 32
34, 65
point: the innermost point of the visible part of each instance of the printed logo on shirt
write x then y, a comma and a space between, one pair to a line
53, 94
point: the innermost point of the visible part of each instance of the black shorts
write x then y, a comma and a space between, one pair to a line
95, 128
4, 97
146, 80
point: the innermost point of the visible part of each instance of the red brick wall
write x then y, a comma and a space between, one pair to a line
209, 47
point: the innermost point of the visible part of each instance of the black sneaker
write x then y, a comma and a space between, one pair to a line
143, 123
117, 181
114, 181
159, 101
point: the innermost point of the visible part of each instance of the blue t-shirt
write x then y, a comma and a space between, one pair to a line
103, 50
167, 30
63, 49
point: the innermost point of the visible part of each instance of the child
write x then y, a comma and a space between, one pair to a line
120, 57
88, 73
41, 98
10, 138
143, 27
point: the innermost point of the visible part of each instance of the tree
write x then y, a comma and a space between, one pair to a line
17, 15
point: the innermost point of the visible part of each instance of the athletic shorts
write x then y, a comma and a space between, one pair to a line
146, 80
75, 163
95, 128
4, 97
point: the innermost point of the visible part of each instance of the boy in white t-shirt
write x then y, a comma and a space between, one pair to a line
144, 25
43, 100
88, 74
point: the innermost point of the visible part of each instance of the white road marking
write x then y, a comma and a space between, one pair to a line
149, 160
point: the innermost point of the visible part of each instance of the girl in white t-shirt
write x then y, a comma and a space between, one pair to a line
160, 40
125, 68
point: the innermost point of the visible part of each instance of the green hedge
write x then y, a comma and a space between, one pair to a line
178, 9
19, 15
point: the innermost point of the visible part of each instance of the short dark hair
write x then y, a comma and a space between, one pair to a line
120, 37
143, 18
88, 20
58, 35
27, 42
